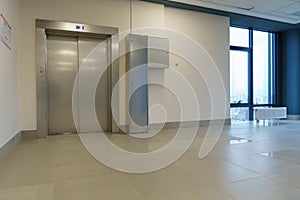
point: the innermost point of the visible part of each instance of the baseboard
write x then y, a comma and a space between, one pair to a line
293, 117
10, 146
32, 134
185, 124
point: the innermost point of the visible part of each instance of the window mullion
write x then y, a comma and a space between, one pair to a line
250, 75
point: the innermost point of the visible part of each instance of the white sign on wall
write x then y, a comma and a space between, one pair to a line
5, 31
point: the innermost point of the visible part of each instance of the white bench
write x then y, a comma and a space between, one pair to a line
270, 113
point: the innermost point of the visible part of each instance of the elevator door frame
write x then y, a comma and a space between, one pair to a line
71, 29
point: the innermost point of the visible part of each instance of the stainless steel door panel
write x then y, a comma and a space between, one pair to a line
61, 118
85, 46
137, 83
62, 67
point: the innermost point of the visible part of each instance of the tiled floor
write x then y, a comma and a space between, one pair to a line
59, 167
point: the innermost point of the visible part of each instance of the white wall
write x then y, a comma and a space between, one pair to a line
9, 112
212, 33
210, 30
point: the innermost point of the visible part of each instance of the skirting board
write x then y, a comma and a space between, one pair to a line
32, 134
10, 146
293, 117
186, 124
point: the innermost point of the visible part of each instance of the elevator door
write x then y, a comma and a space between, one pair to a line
85, 45
64, 56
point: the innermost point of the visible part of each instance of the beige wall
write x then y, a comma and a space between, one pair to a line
210, 30
9, 109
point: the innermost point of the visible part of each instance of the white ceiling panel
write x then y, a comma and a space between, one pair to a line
290, 9
277, 10
276, 4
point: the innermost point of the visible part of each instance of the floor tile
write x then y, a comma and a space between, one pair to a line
60, 168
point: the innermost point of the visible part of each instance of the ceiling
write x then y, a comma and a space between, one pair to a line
287, 11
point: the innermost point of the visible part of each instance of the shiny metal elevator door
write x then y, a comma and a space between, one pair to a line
85, 46
65, 54
62, 66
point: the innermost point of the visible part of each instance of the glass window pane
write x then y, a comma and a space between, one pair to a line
261, 67
239, 37
238, 77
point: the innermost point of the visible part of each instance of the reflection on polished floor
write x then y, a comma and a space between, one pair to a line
59, 167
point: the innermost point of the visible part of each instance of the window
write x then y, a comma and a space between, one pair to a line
262, 67
239, 37
252, 67
239, 76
